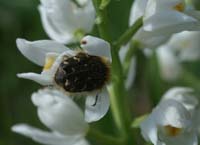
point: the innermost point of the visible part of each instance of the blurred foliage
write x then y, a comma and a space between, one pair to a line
19, 18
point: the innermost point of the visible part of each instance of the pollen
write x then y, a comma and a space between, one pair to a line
49, 62
179, 7
83, 73
172, 131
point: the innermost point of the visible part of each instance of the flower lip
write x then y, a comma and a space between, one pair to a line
179, 7
172, 131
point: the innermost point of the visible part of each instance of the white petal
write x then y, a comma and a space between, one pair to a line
96, 107
62, 18
163, 12
149, 130
150, 40
161, 19
166, 19
45, 137
85, 17
182, 95
53, 31
137, 10
96, 46
39, 78
36, 50
58, 112
172, 93
171, 112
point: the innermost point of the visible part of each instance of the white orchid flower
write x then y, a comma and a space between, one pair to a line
170, 123
137, 10
187, 98
186, 45
61, 115
144, 37
77, 73
184, 95
62, 19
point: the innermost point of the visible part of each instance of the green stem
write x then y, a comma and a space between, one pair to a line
119, 101
129, 33
102, 20
104, 139
121, 112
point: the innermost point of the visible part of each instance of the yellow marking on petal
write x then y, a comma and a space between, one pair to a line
172, 131
49, 62
179, 7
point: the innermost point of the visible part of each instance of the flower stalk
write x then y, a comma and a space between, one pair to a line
102, 20
121, 112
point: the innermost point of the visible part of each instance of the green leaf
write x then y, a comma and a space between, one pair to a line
155, 82
136, 123
104, 4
